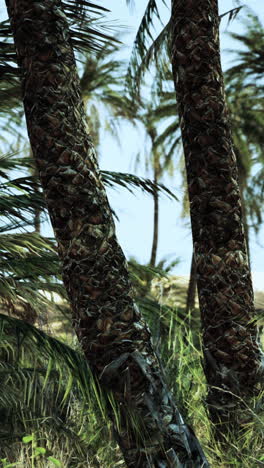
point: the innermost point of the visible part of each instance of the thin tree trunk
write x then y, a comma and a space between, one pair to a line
190, 300
37, 223
245, 220
242, 181
231, 354
154, 248
115, 340
156, 164
37, 211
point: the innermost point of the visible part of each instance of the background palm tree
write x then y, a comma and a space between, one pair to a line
246, 101
158, 160
103, 94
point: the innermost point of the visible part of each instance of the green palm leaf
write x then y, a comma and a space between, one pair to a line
87, 29
250, 55
46, 388
129, 181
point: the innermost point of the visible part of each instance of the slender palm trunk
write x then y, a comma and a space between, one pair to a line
37, 211
242, 186
242, 181
245, 219
154, 248
156, 164
190, 300
37, 223
231, 353
115, 340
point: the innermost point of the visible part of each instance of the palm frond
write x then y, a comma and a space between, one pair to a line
170, 136
246, 104
142, 53
17, 207
29, 263
232, 14
130, 180
29, 275
103, 93
24, 341
250, 55
101, 69
47, 388
156, 53
81, 7
87, 30
138, 271
147, 23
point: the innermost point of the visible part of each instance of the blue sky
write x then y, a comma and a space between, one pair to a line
135, 212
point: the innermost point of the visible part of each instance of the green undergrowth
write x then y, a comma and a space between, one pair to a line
48, 395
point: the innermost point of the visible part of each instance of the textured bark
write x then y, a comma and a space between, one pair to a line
115, 340
231, 354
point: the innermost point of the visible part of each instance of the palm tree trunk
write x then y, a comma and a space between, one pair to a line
245, 219
114, 338
242, 181
156, 164
190, 300
37, 211
154, 248
37, 223
231, 353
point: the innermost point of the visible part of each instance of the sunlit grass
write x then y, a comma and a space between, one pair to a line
81, 435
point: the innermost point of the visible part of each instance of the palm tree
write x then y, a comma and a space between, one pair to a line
157, 159
231, 354
191, 291
115, 340
250, 56
247, 122
246, 103
155, 113
156, 170
101, 81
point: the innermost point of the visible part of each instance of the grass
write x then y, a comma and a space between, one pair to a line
80, 435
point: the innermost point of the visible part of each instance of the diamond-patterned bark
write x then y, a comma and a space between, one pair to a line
115, 340
231, 352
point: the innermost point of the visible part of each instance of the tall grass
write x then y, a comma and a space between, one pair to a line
50, 393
